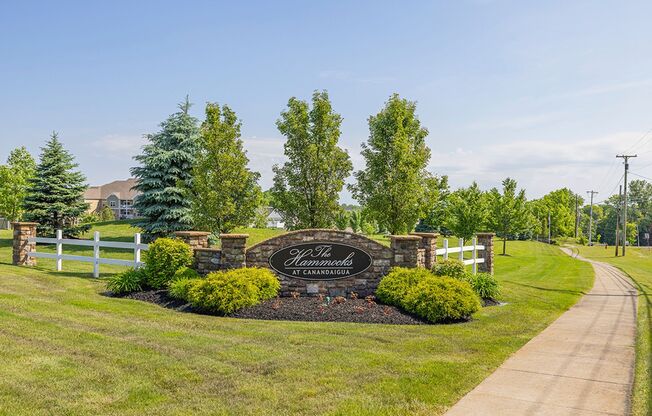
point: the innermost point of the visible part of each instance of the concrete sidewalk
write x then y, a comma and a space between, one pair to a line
582, 364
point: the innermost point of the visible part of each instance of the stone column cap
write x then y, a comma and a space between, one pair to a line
408, 237
486, 234
427, 235
233, 236
25, 223
191, 233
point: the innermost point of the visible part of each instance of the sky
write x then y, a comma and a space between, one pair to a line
544, 92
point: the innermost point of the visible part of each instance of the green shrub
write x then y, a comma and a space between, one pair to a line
452, 268
185, 273
162, 260
223, 292
266, 281
131, 280
441, 299
484, 285
179, 288
396, 284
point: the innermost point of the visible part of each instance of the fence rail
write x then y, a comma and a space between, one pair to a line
96, 243
460, 250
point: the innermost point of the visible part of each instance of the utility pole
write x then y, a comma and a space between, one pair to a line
626, 158
549, 232
577, 213
620, 197
591, 217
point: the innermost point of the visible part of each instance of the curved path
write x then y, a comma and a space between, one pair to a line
582, 364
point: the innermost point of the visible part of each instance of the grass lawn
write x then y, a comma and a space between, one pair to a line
638, 265
66, 349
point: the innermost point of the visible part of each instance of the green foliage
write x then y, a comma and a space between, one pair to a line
224, 193
560, 204
165, 168
128, 281
442, 299
267, 283
393, 287
55, 198
307, 187
435, 219
185, 273
508, 213
467, 211
355, 221
163, 259
14, 183
395, 188
342, 220
106, 214
484, 285
452, 268
179, 288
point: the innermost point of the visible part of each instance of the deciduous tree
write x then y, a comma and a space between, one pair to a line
467, 211
224, 193
507, 211
14, 183
306, 188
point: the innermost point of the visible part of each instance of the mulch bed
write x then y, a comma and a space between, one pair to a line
300, 309
310, 309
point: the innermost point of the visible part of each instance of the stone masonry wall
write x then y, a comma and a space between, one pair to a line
363, 284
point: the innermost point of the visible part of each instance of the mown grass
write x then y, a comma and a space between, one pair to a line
66, 349
638, 265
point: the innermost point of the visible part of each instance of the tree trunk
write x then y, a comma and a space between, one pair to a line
504, 245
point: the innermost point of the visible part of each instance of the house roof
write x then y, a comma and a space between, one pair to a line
121, 189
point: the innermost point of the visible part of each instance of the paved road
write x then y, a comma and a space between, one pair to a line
582, 364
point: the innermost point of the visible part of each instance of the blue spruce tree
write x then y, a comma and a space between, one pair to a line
165, 168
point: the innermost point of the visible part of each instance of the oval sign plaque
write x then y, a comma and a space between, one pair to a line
320, 261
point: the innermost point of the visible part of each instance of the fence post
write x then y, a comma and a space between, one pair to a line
445, 248
96, 254
474, 255
59, 249
461, 254
487, 240
136, 250
23, 231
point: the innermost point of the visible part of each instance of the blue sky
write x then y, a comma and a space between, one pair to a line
545, 92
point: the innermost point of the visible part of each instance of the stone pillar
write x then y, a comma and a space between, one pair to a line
429, 244
406, 250
22, 232
195, 239
233, 250
486, 240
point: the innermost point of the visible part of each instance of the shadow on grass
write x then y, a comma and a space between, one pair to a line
548, 289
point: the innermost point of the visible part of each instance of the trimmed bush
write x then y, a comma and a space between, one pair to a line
179, 288
484, 285
163, 258
442, 299
131, 280
393, 288
185, 273
452, 268
266, 281
223, 293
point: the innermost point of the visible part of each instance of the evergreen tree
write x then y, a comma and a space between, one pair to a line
508, 212
55, 198
307, 187
224, 192
395, 188
165, 168
14, 183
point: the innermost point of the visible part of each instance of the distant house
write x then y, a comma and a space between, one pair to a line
117, 195
274, 219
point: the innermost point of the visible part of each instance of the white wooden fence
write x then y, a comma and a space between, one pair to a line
460, 249
96, 244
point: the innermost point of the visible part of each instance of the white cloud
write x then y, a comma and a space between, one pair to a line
118, 146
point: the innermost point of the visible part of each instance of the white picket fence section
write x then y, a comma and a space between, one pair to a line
96, 243
460, 249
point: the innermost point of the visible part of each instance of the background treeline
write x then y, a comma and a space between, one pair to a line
195, 174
